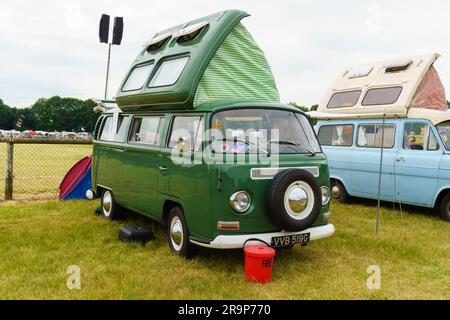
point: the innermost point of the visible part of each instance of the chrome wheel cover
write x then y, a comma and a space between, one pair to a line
176, 233
107, 203
335, 192
299, 200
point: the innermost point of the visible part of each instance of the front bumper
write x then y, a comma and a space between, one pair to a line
237, 241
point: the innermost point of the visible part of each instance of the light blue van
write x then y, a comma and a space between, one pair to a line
375, 109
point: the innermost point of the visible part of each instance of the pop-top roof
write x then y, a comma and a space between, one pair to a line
210, 58
403, 87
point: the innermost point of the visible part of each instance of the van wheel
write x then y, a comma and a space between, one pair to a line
445, 208
110, 209
338, 191
178, 234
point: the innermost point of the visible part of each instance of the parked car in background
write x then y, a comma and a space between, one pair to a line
398, 106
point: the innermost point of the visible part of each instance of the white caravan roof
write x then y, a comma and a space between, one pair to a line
406, 87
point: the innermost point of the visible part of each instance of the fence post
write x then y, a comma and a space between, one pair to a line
9, 170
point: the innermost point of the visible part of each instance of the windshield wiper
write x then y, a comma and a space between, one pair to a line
290, 143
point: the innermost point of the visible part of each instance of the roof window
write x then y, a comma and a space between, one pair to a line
189, 33
158, 42
398, 66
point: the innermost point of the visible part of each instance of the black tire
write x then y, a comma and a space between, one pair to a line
445, 208
286, 218
109, 207
342, 196
180, 246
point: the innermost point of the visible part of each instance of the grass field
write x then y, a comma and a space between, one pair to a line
39, 168
39, 240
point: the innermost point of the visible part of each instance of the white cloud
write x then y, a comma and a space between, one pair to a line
51, 47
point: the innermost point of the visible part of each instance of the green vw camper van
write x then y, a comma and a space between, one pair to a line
199, 142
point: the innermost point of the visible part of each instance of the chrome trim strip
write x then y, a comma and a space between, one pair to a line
270, 172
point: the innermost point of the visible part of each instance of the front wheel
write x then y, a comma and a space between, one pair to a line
338, 192
178, 234
445, 208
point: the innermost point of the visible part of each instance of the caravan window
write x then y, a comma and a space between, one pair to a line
370, 135
168, 72
381, 96
336, 135
344, 99
137, 77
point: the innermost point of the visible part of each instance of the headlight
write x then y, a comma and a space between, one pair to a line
325, 195
240, 201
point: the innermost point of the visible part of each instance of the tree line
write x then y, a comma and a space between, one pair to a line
62, 114
52, 114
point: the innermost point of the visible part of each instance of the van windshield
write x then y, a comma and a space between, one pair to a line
263, 130
444, 131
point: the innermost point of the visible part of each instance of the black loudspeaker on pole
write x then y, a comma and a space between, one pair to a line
104, 38
118, 30
103, 31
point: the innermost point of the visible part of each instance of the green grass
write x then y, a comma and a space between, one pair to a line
39, 168
39, 240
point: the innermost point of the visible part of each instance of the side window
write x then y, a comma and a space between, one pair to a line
137, 77
419, 136
370, 136
122, 127
146, 130
433, 144
344, 99
336, 135
380, 96
168, 72
108, 133
186, 133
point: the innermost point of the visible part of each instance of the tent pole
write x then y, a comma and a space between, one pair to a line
380, 175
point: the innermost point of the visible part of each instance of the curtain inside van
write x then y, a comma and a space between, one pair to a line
238, 70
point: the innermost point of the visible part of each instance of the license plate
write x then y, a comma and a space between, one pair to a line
284, 241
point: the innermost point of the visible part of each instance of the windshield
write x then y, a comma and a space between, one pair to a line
444, 131
263, 130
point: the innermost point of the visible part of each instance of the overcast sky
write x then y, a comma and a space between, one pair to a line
50, 47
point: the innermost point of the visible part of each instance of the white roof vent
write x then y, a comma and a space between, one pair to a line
359, 72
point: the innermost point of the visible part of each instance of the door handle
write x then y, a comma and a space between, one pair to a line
398, 159
163, 169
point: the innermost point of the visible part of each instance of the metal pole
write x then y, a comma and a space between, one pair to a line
9, 171
107, 70
380, 174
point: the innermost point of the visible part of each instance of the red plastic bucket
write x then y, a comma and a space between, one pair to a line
259, 263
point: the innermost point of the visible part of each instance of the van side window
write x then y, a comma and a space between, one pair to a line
146, 130
336, 135
108, 133
419, 136
186, 133
370, 135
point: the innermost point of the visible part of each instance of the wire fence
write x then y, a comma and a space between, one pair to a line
37, 167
